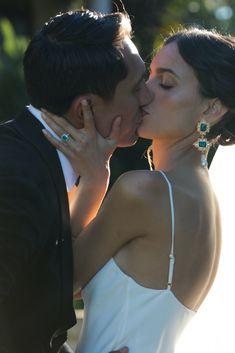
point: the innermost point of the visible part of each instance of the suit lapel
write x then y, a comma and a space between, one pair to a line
31, 129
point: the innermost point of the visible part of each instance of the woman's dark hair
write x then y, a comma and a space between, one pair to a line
75, 53
212, 57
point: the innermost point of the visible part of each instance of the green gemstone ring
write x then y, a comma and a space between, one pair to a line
64, 137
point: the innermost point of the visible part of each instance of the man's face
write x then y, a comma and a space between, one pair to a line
131, 95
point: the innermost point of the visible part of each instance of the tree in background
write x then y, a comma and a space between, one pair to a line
12, 91
218, 14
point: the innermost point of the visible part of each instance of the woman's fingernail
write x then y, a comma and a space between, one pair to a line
84, 102
44, 116
119, 119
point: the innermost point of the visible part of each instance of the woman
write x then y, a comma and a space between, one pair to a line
149, 258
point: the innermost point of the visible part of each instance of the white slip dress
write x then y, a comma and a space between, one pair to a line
119, 312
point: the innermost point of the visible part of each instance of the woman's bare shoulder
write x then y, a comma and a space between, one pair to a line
139, 184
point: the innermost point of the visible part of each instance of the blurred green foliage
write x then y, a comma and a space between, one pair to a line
12, 90
218, 14
154, 19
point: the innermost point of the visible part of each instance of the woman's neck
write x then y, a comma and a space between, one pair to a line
169, 155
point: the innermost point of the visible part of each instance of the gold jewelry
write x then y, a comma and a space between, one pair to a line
202, 144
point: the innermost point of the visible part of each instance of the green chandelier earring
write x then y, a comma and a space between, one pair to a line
202, 144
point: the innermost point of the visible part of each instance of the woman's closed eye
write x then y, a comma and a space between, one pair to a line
165, 86
166, 81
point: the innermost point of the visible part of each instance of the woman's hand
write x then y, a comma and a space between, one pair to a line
87, 150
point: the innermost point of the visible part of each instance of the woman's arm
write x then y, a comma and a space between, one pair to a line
89, 154
120, 218
86, 201
119, 221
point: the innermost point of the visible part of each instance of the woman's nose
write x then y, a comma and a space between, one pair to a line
149, 93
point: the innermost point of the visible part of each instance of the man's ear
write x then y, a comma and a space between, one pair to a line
75, 114
215, 111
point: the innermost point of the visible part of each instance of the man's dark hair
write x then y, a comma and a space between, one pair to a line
75, 53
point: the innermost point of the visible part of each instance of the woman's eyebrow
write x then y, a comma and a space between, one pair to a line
161, 70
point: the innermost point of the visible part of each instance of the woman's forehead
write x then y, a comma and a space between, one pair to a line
169, 57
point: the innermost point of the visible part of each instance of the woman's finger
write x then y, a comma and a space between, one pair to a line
88, 116
59, 125
65, 148
115, 131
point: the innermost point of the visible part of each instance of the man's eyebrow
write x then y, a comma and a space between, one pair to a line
161, 70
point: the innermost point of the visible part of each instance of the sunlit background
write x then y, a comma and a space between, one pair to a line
212, 329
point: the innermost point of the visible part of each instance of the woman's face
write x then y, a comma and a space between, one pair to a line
178, 105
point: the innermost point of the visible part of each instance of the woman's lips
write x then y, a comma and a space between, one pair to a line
144, 112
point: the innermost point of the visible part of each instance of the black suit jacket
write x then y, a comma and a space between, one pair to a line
36, 271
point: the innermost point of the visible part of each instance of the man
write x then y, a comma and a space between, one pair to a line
75, 55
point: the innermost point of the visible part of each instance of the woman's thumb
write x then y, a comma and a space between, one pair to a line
115, 131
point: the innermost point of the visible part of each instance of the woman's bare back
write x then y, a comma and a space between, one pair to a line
197, 236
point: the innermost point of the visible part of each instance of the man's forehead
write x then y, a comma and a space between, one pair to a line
131, 56
135, 65
132, 48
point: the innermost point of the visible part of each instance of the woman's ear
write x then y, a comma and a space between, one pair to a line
215, 111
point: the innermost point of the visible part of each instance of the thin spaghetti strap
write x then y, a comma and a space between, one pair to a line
171, 255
